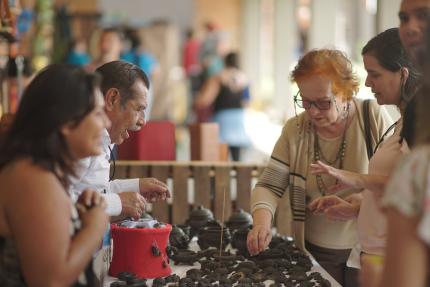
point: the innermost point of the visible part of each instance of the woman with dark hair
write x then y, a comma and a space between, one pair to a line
330, 129
406, 199
44, 239
393, 79
227, 94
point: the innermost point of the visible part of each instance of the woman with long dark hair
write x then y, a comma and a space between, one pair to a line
44, 239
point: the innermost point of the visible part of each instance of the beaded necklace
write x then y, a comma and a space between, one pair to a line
340, 156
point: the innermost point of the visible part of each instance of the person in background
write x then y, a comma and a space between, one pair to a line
210, 54
190, 54
191, 64
330, 129
45, 240
78, 53
393, 78
19, 74
141, 57
227, 94
110, 47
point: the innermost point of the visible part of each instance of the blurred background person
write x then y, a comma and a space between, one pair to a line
109, 48
210, 56
190, 54
136, 53
227, 94
78, 53
192, 68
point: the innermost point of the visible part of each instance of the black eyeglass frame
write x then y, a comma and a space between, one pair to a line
299, 103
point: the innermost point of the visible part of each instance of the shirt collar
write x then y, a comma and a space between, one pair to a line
106, 139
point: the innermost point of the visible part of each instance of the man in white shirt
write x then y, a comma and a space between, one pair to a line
125, 89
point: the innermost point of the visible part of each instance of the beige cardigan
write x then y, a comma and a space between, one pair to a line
288, 165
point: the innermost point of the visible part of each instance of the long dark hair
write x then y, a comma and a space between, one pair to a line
58, 95
387, 48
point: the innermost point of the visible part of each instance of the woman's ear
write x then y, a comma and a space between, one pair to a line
111, 97
66, 129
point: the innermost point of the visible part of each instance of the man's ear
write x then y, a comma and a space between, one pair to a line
112, 98
404, 74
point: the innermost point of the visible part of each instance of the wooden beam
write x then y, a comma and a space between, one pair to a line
180, 206
160, 210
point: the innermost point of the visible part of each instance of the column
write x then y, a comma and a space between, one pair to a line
250, 26
286, 41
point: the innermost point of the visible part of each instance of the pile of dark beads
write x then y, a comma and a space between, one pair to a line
283, 264
126, 279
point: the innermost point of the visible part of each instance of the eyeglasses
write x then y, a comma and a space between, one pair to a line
305, 104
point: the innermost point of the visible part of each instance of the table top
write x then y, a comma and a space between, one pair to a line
181, 270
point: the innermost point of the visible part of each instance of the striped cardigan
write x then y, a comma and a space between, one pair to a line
288, 165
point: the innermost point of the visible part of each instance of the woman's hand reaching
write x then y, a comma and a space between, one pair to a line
337, 208
258, 239
347, 179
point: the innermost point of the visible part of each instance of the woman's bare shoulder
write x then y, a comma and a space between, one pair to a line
23, 177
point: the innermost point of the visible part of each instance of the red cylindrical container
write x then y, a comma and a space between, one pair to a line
135, 251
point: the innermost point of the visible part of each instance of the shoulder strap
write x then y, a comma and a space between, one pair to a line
367, 131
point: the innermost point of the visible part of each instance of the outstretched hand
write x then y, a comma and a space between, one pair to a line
337, 208
346, 178
153, 190
258, 239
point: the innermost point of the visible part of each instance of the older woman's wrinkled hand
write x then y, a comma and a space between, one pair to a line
258, 238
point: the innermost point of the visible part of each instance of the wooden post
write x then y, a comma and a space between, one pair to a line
222, 181
139, 171
160, 210
121, 171
243, 180
202, 186
180, 206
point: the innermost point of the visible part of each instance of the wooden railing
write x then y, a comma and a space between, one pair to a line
209, 181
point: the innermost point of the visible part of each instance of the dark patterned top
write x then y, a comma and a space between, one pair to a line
10, 269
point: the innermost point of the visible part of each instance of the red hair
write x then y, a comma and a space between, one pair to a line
332, 64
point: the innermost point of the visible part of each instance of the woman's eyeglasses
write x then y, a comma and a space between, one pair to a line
305, 104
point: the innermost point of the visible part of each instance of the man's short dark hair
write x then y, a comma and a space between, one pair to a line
121, 75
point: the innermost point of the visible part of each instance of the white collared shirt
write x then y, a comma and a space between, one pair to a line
93, 173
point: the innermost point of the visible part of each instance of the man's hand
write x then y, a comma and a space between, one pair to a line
133, 204
153, 190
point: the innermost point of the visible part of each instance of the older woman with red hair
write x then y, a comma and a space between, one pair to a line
331, 129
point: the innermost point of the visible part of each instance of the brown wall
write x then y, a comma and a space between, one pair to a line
225, 13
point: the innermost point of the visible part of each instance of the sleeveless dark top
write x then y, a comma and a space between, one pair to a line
228, 99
